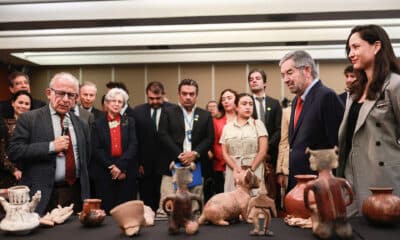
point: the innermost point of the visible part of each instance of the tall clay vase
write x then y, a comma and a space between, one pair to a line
382, 207
91, 214
294, 200
129, 216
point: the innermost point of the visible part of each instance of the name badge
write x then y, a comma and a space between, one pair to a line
189, 135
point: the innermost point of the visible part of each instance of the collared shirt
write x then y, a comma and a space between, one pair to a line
157, 116
257, 103
188, 118
60, 158
115, 135
308, 89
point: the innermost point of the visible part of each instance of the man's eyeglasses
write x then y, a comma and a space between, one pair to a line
61, 94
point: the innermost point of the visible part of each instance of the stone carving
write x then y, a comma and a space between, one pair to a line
231, 205
328, 214
20, 216
261, 208
179, 205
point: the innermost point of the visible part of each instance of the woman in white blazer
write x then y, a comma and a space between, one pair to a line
369, 135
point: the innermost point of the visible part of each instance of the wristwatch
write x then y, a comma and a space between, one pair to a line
197, 154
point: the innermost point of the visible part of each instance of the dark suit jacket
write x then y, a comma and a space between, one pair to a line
101, 150
343, 97
172, 134
97, 113
273, 117
86, 116
317, 128
151, 153
7, 111
30, 147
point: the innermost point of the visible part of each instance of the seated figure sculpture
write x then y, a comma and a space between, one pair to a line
328, 214
179, 206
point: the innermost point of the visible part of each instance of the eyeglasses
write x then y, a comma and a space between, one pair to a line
116, 101
62, 94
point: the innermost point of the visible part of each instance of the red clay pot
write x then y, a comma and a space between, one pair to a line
294, 200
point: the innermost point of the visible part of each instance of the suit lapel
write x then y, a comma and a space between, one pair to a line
49, 131
267, 106
180, 118
367, 107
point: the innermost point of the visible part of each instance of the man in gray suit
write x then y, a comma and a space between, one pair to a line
52, 144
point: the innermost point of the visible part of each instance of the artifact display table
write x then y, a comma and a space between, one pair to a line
72, 229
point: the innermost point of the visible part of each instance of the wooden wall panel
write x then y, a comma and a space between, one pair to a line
230, 75
331, 73
202, 74
134, 78
168, 75
39, 81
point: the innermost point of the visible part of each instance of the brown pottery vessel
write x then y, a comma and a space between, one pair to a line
91, 214
294, 200
382, 207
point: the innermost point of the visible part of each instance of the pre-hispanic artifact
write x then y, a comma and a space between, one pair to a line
261, 208
329, 211
20, 216
179, 205
382, 207
129, 216
223, 207
92, 215
57, 216
294, 200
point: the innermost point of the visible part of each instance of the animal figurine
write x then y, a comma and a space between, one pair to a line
180, 211
329, 212
231, 205
57, 216
261, 207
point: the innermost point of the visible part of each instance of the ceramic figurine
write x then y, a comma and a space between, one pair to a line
129, 216
329, 211
57, 216
230, 205
149, 216
179, 205
20, 216
261, 207
91, 214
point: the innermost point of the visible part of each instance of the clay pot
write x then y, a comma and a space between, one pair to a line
294, 200
129, 216
382, 207
91, 214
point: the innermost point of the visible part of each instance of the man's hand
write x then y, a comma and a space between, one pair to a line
281, 180
141, 170
61, 143
17, 174
187, 158
114, 171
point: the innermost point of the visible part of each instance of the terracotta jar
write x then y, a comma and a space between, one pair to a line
91, 214
129, 216
294, 200
382, 207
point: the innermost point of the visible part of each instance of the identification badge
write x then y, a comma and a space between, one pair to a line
189, 135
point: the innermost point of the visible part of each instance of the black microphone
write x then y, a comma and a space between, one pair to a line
65, 126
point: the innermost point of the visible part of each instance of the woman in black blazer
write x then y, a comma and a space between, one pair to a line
113, 166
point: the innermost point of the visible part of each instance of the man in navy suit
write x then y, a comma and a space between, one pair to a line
349, 77
53, 147
316, 112
187, 131
151, 155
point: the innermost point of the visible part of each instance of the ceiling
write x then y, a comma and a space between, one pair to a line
163, 31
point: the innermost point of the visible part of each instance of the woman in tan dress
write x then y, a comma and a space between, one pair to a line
244, 142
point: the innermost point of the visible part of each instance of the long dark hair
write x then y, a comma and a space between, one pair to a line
15, 96
385, 61
220, 107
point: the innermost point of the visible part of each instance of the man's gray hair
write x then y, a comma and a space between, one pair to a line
115, 91
64, 76
87, 83
301, 59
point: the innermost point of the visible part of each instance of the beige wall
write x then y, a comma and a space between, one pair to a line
212, 78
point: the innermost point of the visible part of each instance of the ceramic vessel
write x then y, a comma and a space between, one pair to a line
129, 216
294, 200
20, 216
382, 207
92, 215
